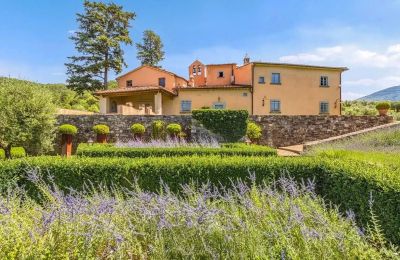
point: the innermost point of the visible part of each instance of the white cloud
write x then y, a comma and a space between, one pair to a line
71, 31
351, 95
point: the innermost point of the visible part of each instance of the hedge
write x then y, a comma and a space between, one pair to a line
346, 183
230, 124
101, 150
16, 152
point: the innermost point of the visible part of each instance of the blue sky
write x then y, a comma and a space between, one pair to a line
362, 35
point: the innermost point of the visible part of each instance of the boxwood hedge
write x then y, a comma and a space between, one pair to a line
108, 150
346, 183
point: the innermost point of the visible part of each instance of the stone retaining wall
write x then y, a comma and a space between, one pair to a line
278, 130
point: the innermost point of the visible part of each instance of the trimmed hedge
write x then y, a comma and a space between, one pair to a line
230, 124
346, 183
108, 150
16, 152
101, 129
68, 129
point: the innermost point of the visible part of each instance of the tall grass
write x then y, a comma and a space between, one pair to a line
283, 220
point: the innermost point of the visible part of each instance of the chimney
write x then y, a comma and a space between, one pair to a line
246, 59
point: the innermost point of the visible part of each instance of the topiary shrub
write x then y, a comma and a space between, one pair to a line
138, 129
158, 129
174, 129
16, 152
101, 129
382, 105
253, 132
68, 129
230, 124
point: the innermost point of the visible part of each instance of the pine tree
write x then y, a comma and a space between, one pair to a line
150, 52
102, 30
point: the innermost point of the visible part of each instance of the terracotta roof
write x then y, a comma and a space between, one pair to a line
222, 64
155, 68
134, 89
298, 65
216, 87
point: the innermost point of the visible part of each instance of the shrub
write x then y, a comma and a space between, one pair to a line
101, 129
138, 129
158, 129
347, 183
383, 105
68, 129
100, 150
249, 222
253, 131
16, 152
174, 129
230, 124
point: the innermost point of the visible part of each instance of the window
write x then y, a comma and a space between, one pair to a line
186, 106
194, 70
324, 81
276, 78
275, 106
129, 83
261, 80
323, 107
161, 82
220, 74
199, 70
218, 105
244, 94
114, 107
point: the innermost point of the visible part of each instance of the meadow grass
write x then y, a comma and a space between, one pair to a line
281, 220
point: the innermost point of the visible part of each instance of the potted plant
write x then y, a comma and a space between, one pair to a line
383, 108
138, 130
158, 129
67, 131
253, 132
174, 130
102, 131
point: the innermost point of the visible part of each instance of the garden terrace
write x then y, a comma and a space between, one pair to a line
348, 183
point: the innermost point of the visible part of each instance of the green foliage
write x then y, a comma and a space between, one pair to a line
383, 105
254, 222
26, 116
158, 129
345, 182
253, 131
174, 129
138, 129
68, 129
16, 152
102, 29
108, 150
150, 52
230, 124
361, 108
101, 129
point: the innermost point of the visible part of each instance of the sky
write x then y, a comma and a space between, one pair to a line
363, 35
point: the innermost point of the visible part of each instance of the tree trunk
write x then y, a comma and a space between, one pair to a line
7, 151
105, 83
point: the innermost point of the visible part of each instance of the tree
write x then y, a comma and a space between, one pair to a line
27, 117
102, 30
150, 52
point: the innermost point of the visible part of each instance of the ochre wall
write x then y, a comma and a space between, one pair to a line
146, 76
212, 75
232, 98
299, 93
243, 75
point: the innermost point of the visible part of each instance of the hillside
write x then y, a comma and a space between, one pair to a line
389, 94
63, 97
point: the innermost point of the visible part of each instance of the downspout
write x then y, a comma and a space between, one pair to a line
252, 89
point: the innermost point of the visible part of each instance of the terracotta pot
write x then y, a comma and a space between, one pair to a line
383, 112
102, 138
66, 145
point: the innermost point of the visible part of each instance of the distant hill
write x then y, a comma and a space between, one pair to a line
387, 94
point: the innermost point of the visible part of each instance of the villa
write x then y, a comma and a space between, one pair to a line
262, 88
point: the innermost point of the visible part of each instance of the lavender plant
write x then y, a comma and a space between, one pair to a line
282, 220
